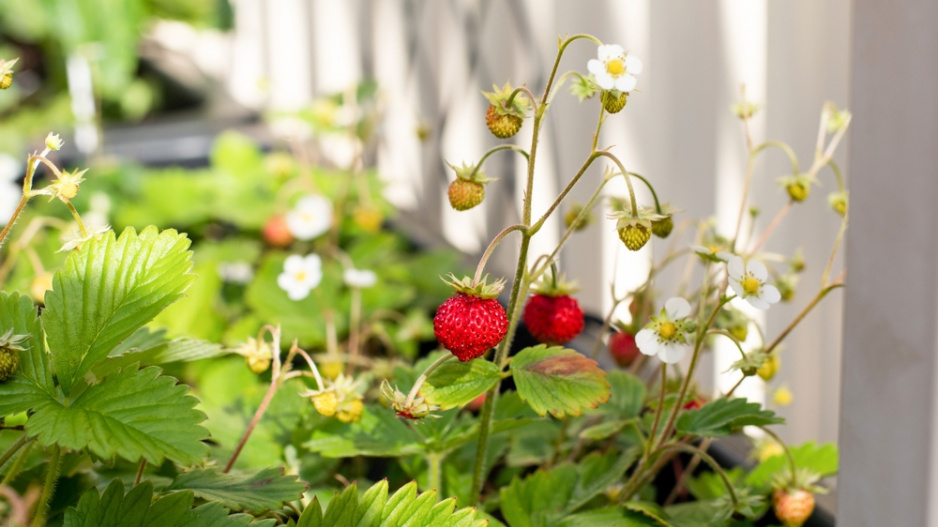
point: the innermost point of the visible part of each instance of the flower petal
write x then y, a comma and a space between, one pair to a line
672, 352
736, 268
604, 80
647, 341
757, 270
312, 262
298, 292
293, 263
757, 302
595, 67
608, 51
626, 83
770, 294
737, 288
676, 307
633, 65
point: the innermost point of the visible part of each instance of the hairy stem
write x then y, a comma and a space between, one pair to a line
48, 487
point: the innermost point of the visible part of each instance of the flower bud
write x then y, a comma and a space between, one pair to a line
53, 142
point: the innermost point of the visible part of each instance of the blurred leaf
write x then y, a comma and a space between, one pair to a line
627, 395
379, 433
820, 459
267, 489
603, 430
709, 485
720, 417
558, 380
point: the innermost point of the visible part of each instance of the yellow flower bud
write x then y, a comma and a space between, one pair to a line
351, 411
326, 403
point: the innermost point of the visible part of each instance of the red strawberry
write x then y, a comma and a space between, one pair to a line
471, 322
693, 404
793, 508
623, 349
476, 404
553, 319
276, 233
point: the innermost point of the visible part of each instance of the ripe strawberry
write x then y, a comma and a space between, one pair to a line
623, 349
276, 233
465, 194
472, 321
614, 103
554, 319
476, 404
793, 508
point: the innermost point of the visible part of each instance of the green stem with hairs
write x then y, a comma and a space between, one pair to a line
48, 488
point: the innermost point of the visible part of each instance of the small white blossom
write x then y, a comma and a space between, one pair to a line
301, 274
236, 272
311, 217
291, 128
666, 335
748, 281
359, 278
615, 70
10, 169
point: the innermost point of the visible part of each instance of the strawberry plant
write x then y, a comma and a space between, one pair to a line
322, 410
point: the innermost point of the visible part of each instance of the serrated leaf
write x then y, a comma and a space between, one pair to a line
819, 459
457, 383
603, 430
267, 489
132, 413
342, 508
720, 417
215, 515
371, 504
628, 395
558, 380
183, 349
312, 515
647, 513
378, 433
117, 285
32, 384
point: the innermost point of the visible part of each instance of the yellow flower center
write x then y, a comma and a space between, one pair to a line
714, 249
299, 276
751, 285
667, 330
615, 67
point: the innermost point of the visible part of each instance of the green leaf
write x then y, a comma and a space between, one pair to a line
405, 508
456, 383
720, 417
215, 515
32, 383
132, 413
603, 430
628, 395
379, 433
116, 285
267, 489
558, 380
819, 459
161, 352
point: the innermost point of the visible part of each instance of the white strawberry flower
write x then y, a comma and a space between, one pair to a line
713, 253
10, 195
359, 278
749, 282
301, 274
311, 217
615, 70
666, 334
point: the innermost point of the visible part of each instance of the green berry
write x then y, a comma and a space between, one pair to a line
502, 125
635, 236
662, 228
613, 103
8, 363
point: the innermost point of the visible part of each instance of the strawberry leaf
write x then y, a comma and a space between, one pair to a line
720, 417
558, 380
106, 291
819, 459
457, 383
32, 383
373, 509
133, 414
267, 489
137, 508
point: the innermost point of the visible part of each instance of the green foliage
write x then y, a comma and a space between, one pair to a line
132, 414
457, 383
558, 380
819, 459
721, 417
32, 383
548, 496
405, 508
267, 489
115, 509
118, 284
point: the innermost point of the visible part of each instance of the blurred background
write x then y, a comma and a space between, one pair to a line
156, 82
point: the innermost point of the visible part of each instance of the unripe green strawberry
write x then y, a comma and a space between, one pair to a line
6, 73
502, 125
793, 508
838, 202
662, 228
798, 186
635, 236
614, 103
571, 217
464, 194
9, 353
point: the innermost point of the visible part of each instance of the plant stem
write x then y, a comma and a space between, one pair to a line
628, 180
434, 472
768, 230
498, 149
491, 248
423, 377
804, 312
791, 459
143, 466
13, 449
689, 470
355, 329
13, 218
710, 461
660, 409
48, 488
17, 465
274, 384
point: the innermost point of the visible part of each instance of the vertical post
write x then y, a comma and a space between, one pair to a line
888, 437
